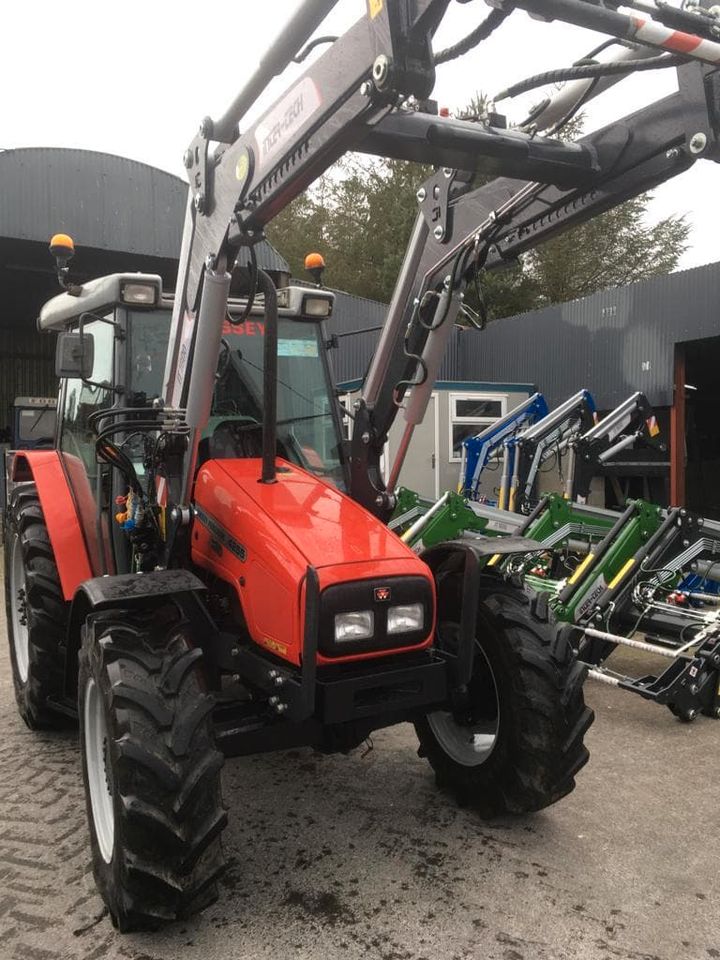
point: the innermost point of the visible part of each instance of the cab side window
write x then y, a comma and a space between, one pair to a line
77, 437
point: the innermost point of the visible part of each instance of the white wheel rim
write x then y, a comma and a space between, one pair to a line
97, 763
18, 594
468, 744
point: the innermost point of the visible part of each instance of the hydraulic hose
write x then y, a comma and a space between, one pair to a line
480, 33
590, 71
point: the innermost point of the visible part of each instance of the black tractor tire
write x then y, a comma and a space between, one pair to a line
526, 695
150, 766
36, 612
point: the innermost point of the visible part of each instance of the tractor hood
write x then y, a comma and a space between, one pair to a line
263, 538
326, 527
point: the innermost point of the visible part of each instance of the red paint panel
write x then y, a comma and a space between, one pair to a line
682, 42
84, 497
61, 517
325, 526
283, 527
268, 580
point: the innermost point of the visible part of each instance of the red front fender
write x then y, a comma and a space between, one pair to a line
45, 470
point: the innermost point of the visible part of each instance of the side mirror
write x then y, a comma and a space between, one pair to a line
75, 355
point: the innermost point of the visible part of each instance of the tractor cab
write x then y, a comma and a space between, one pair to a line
111, 353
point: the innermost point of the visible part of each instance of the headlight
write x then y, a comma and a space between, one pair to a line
142, 293
359, 625
405, 618
316, 306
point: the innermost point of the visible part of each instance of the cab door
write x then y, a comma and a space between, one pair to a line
87, 478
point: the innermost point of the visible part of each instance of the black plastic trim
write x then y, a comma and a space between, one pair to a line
360, 595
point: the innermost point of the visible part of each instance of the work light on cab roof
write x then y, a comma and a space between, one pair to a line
315, 266
139, 292
62, 249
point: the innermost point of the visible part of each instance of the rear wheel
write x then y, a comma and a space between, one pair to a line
36, 612
151, 770
516, 742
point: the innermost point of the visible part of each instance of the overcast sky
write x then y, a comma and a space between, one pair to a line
135, 78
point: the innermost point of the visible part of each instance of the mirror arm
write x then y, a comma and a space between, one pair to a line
95, 318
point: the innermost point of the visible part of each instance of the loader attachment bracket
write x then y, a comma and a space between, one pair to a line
689, 686
198, 168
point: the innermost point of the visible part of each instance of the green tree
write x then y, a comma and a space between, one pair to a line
616, 248
300, 229
359, 216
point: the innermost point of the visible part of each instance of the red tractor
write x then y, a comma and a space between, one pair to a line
289, 615
201, 567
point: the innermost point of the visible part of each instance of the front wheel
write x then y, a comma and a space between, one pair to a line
516, 742
150, 767
36, 612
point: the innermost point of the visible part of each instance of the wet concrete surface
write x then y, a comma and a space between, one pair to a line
361, 856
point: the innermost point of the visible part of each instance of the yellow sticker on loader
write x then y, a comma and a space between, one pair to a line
374, 8
242, 167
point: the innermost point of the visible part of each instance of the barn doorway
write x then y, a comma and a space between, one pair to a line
697, 406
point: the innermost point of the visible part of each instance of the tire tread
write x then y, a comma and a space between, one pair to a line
549, 716
169, 815
47, 612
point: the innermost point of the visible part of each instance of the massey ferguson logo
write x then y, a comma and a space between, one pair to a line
382, 594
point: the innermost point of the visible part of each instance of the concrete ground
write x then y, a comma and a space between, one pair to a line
360, 856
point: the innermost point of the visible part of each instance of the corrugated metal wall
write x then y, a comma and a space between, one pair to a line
26, 368
353, 355
613, 342
351, 359
103, 201
93, 196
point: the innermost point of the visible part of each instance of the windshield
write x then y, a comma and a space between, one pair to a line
306, 428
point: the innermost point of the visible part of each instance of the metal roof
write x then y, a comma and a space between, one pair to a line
103, 201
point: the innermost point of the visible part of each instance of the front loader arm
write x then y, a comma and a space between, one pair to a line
238, 189
631, 156
630, 425
254, 175
369, 91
